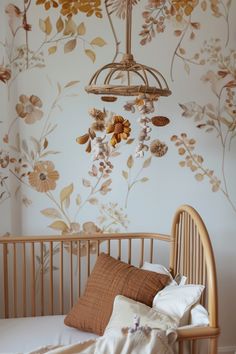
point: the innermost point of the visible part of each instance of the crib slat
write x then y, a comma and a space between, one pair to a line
141, 253
51, 276
151, 251
61, 279
32, 280
78, 266
15, 279
42, 278
109, 247
181, 347
129, 250
71, 276
5, 280
119, 250
98, 248
88, 258
24, 280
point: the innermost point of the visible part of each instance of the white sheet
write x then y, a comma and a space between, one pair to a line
22, 335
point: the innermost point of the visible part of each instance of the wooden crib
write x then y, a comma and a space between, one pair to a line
44, 275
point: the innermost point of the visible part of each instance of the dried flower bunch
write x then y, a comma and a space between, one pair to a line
120, 128
106, 123
145, 106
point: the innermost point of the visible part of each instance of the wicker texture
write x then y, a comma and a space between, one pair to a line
109, 278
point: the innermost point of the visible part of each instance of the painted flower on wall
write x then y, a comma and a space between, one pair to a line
44, 176
5, 74
29, 108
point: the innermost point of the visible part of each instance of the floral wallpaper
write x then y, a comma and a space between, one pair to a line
71, 162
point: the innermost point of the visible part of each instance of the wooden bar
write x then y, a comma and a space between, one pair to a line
79, 267
86, 237
5, 281
181, 347
129, 250
141, 253
197, 256
71, 276
194, 347
109, 247
24, 280
32, 279
61, 286
41, 279
119, 250
15, 279
51, 291
151, 251
98, 248
185, 244
88, 259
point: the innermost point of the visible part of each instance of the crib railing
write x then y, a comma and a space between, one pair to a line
45, 275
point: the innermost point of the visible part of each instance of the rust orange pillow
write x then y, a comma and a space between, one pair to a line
109, 278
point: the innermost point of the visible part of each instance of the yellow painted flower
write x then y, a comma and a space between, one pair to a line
44, 176
120, 128
28, 108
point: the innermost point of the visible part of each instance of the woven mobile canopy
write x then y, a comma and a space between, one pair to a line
138, 78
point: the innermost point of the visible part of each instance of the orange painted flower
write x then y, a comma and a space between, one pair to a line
44, 176
28, 108
120, 128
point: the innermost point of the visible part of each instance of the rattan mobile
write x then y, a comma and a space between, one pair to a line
138, 78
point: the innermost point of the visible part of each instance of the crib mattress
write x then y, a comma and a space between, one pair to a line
22, 335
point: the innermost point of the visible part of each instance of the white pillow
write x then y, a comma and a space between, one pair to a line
159, 268
176, 301
124, 310
199, 316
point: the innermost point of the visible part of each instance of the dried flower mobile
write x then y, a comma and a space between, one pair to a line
144, 104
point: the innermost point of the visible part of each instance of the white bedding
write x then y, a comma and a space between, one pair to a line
23, 335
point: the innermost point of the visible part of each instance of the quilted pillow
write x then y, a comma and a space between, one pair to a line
109, 278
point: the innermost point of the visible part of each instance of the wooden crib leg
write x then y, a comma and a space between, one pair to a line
213, 346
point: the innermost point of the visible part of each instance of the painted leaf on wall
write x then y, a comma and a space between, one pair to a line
51, 213
81, 29
59, 225
65, 195
98, 41
70, 45
90, 53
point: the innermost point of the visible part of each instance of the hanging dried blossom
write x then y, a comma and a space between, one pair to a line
120, 128
100, 149
158, 148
